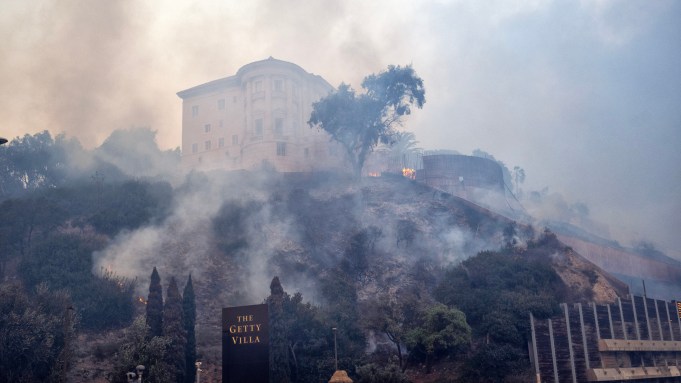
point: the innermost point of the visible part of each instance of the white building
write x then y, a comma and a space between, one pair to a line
257, 118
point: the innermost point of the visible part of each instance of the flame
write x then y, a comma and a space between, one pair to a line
141, 300
409, 173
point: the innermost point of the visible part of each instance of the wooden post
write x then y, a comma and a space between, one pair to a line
633, 308
624, 327
534, 349
569, 336
553, 353
581, 323
659, 323
612, 329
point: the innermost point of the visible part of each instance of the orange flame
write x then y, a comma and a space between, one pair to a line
409, 173
141, 300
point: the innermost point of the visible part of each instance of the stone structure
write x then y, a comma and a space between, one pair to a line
637, 339
457, 174
257, 118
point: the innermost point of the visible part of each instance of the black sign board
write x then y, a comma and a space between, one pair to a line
245, 344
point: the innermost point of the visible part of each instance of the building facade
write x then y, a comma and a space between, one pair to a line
255, 119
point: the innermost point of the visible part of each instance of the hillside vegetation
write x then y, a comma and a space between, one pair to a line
422, 286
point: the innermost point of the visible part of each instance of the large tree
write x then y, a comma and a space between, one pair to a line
360, 121
154, 318
279, 367
173, 328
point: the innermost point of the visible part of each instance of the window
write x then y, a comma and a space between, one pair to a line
195, 148
278, 85
221, 104
207, 145
258, 127
195, 111
235, 140
279, 126
257, 86
281, 148
206, 128
221, 142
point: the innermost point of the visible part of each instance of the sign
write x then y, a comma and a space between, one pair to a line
678, 308
245, 344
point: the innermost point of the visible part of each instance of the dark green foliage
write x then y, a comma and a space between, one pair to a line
33, 332
443, 332
189, 311
137, 349
64, 261
154, 307
173, 329
374, 373
491, 363
308, 340
129, 206
394, 317
230, 225
360, 122
342, 311
279, 363
497, 291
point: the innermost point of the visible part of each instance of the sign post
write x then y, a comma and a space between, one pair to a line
245, 344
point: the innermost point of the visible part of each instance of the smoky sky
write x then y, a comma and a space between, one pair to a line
583, 95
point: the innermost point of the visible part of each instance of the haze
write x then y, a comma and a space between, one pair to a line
584, 95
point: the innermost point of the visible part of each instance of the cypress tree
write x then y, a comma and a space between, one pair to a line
173, 328
154, 319
279, 368
189, 309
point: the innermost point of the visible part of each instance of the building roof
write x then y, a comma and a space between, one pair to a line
236, 79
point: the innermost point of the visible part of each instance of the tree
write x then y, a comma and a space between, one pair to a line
154, 318
137, 348
279, 368
443, 332
173, 329
394, 317
33, 332
189, 309
360, 122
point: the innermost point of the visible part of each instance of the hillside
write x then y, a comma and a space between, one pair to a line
341, 244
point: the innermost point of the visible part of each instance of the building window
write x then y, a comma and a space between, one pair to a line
195, 148
257, 86
235, 140
258, 127
206, 128
279, 126
195, 111
278, 85
207, 145
281, 148
221, 104
221, 142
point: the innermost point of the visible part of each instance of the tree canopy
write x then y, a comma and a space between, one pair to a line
360, 122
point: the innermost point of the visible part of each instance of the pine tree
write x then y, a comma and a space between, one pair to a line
279, 368
173, 328
189, 310
154, 319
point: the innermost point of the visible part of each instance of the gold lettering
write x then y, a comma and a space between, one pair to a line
234, 338
232, 329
